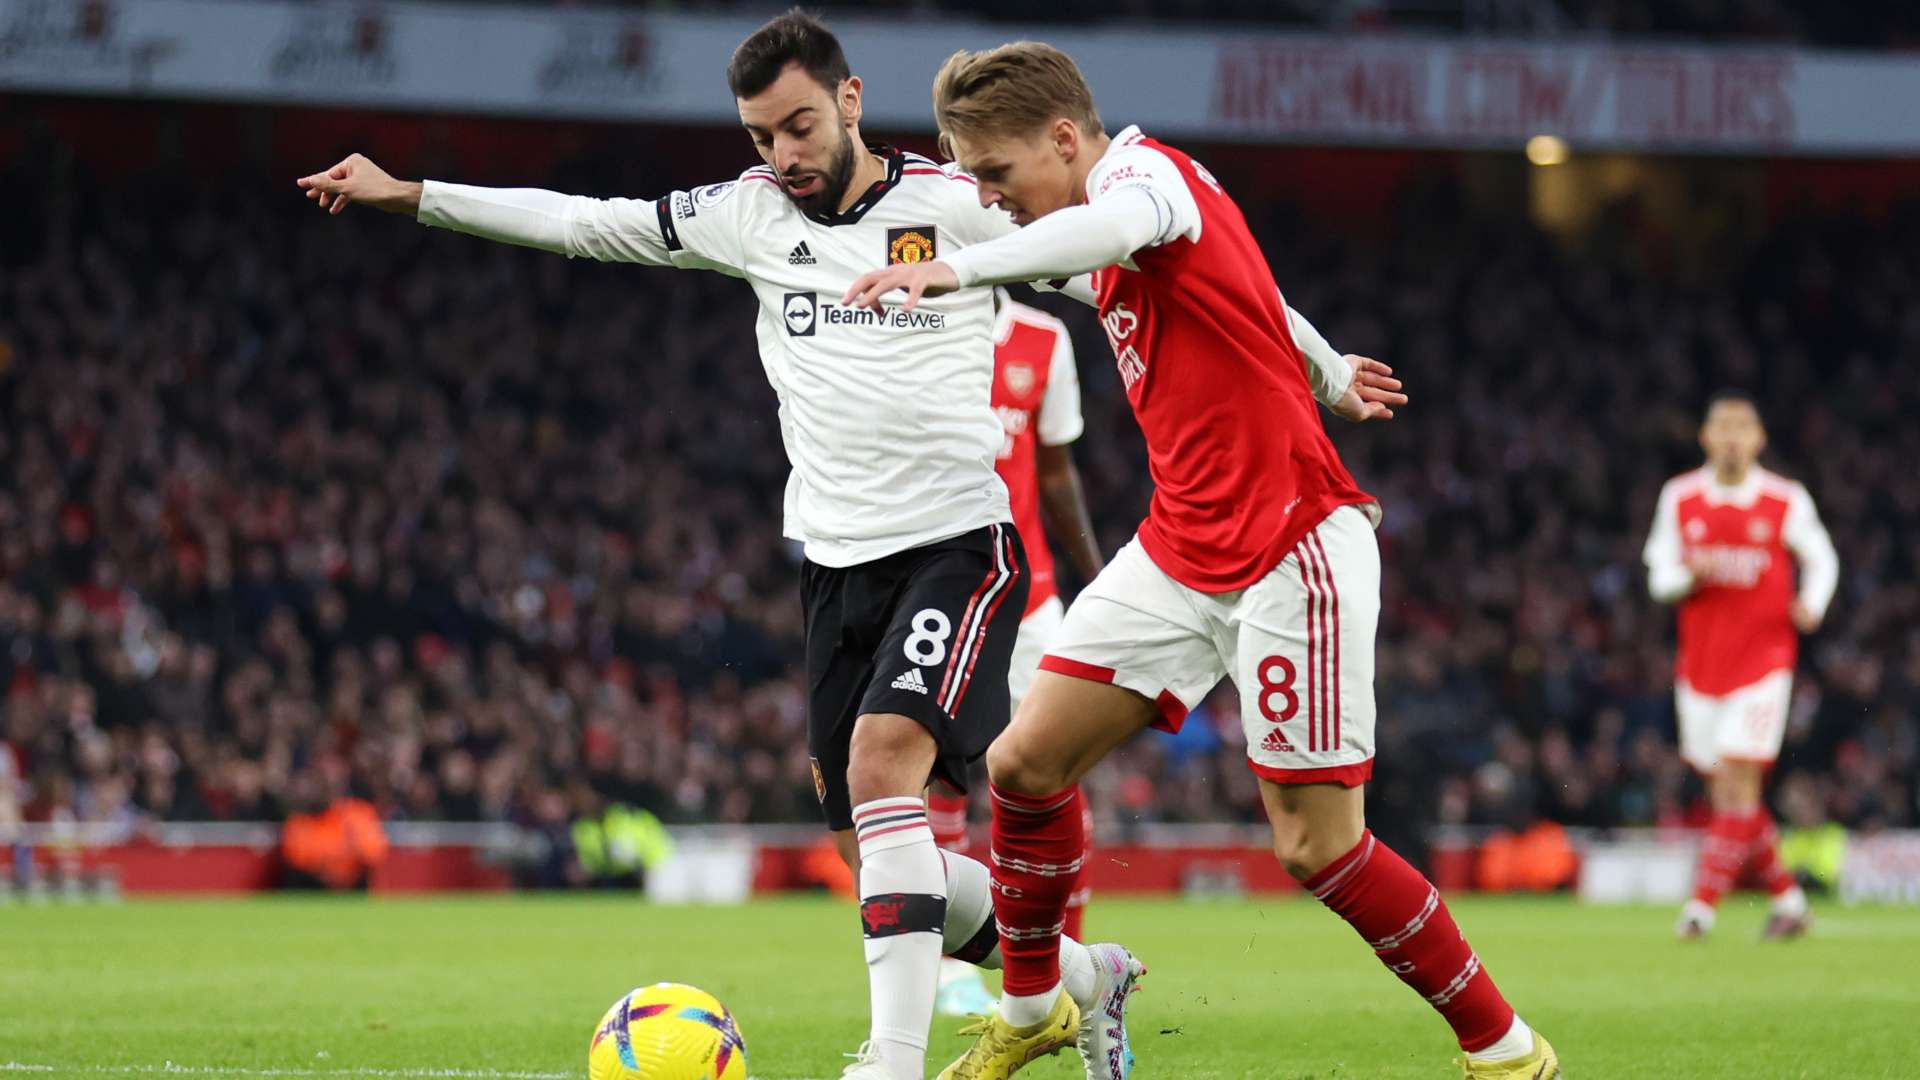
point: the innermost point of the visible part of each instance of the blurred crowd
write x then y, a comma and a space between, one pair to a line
296, 508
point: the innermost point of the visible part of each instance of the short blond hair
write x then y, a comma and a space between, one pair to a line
1010, 90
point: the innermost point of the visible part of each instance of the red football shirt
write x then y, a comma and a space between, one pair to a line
1736, 625
1036, 393
1241, 465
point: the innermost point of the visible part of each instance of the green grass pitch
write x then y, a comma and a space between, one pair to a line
1260, 990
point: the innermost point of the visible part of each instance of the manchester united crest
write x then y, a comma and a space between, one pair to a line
1019, 377
819, 781
913, 244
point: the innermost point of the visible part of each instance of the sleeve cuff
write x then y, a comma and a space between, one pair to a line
963, 271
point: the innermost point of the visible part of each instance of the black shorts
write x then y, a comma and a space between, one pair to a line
926, 633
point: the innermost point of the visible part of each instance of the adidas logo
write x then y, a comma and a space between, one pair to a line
1276, 743
911, 681
800, 256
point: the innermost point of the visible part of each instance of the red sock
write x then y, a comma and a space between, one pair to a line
1400, 913
1039, 846
947, 816
1763, 854
1077, 901
1721, 855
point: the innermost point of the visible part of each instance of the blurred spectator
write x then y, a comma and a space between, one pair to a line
332, 843
614, 846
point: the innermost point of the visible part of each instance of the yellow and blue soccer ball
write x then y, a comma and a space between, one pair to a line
667, 1031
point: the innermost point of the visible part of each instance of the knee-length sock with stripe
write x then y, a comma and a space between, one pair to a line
947, 813
903, 906
1039, 847
1399, 912
973, 936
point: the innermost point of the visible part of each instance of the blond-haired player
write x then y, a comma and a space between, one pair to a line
1256, 561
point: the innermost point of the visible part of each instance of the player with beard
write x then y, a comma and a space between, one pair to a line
915, 581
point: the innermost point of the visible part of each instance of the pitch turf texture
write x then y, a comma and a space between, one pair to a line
1269, 990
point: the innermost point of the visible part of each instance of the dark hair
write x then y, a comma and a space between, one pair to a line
796, 37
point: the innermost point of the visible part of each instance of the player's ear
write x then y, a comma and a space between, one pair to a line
848, 99
1066, 138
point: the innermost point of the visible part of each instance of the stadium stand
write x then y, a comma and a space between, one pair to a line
478, 534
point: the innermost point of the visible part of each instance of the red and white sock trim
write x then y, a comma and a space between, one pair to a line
1030, 807
1452, 990
892, 822
1036, 933
1348, 865
1065, 869
1414, 925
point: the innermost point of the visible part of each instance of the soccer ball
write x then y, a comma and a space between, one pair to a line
667, 1031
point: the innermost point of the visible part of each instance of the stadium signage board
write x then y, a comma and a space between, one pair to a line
611, 65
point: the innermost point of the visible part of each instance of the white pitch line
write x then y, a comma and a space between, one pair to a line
174, 1069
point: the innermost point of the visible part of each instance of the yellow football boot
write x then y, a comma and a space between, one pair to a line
1003, 1049
1541, 1064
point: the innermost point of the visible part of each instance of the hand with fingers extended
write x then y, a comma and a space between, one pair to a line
934, 278
1372, 394
359, 180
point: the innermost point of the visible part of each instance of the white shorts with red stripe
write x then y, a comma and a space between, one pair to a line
1298, 644
1037, 632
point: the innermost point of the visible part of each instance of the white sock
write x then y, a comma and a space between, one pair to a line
970, 921
1517, 1042
1792, 903
902, 908
1704, 914
1027, 1010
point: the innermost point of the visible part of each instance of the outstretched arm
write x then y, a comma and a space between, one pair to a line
609, 230
1136, 197
358, 180
1064, 244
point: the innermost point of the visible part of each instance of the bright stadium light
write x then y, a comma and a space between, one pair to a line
1547, 150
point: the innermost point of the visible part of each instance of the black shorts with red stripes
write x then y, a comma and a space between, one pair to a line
926, 633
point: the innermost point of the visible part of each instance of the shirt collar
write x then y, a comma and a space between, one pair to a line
1740, 494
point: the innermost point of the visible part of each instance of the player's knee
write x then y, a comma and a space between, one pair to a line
1736, 786
1304, 850
1295, 854
1016, 768
887, 758
873, 776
